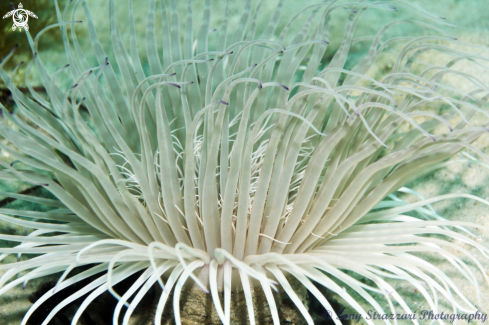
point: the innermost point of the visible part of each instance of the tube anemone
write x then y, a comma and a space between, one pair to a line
241, 166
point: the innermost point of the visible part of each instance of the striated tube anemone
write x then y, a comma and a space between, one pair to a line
241, 165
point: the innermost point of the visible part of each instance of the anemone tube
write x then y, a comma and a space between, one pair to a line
247, 161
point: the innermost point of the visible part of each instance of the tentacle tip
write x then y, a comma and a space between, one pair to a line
454, 38
74, 86
46, 185
231, 52
79, 21
284, 87
433, 138
23, 286
16, 46
21, 63
443, 18
325, 42
254, 65
83, 99
210, 60
260, 85
90, 72
223, 102
66, 66
173, 74
450, 128
35, 55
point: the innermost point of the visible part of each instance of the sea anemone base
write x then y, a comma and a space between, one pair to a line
197, 307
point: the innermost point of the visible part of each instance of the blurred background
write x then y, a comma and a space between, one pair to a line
470, 16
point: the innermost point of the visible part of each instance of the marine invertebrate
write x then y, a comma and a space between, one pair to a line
233, 161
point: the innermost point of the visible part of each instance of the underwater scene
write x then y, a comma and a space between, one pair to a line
244, 162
